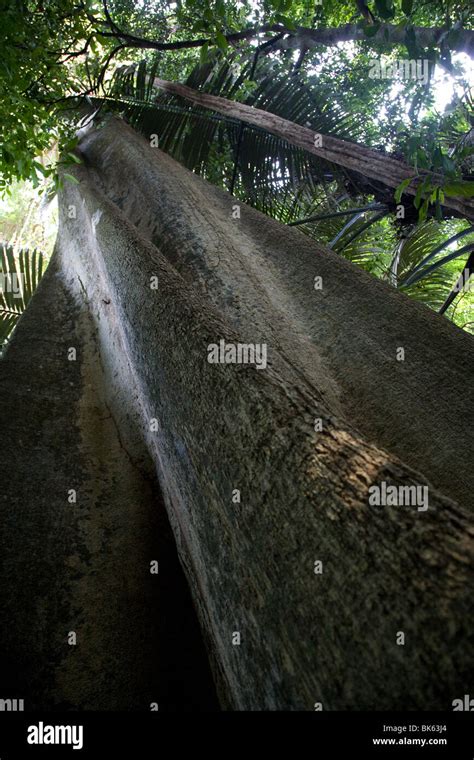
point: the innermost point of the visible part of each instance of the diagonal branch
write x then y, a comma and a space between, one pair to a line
369, 162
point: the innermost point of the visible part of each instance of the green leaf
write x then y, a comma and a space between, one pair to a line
418, 196
465, 189
220, 8
221, 41
456, 254
401, 188
407, 7
74, 158
288, 23
422, 213
204, 53
410, 277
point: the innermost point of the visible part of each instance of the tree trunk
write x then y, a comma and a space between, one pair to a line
80, 563
326, 634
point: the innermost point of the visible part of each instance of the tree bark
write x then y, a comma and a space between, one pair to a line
212, 429
80, 564
372, 164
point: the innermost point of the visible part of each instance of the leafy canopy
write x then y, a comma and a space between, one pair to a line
306, 61
56, 50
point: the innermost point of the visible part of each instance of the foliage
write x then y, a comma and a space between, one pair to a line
20, 275
28, 218
54, 50
284, 181
61, 55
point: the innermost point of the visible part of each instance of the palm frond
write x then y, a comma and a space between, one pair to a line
190, 132
461, 284
19, 277
415, 274
286, 182
450, 257
429, 285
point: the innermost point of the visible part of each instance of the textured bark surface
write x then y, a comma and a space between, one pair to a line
305, 638
84, 567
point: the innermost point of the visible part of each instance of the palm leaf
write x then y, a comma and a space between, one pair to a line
432, 285
414, 275
461, 283
281, 180
190, 132
19, 277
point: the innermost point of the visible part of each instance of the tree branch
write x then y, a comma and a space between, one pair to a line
303, 37
141, 42
371, 163
462, 41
